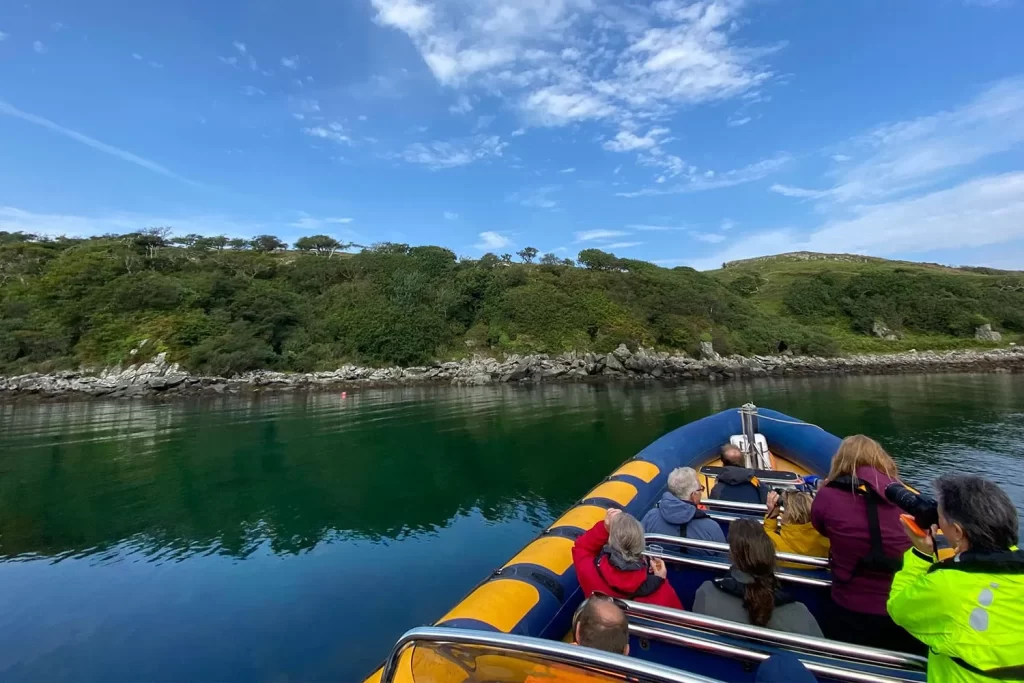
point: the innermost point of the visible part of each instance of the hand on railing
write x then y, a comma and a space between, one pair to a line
773, 505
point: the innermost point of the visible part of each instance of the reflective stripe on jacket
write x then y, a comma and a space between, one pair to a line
965, 614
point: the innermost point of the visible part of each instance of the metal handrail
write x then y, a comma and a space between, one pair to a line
696, 561
713, 503
552, 650
818, 646
724, 547
720, 517
724, 649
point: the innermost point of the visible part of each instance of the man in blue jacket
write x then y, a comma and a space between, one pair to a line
677, 513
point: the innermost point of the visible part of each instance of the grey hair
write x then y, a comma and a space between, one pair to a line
682, 482
982, 509
626, 536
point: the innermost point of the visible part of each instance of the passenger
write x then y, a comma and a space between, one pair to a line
677, 513
597, 624
791, 530
737, 483
966, 609
867, 545
609, 558
751, 594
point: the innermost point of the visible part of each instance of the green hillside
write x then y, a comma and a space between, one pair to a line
225, 306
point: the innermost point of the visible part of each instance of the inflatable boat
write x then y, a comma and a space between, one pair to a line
518, 618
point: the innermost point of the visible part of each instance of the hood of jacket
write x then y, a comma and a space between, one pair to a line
734, 476
874, 478
625, 581
674, 510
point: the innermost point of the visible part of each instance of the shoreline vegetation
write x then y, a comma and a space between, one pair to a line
260, 313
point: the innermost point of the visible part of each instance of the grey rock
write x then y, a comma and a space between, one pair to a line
622, 352
613, 363
707, 351
986, 333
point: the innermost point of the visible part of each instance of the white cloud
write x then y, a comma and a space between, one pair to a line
918, 153
727, 225
290, 62
240, 47
308, 223
571, 169
622, 245
709, 237
57, 27
628, 141
333, 131
537, 198
461, 106
979, 212
517, 132
653, 228
19, 220
565, 61
38, 47
230, 61
450, 154
451, 216
598, 235
156, 65
694, 180
737, 122
491, 241
9, 110
251, 91
3, 36
136, 56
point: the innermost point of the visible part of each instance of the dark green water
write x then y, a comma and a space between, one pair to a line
294, 538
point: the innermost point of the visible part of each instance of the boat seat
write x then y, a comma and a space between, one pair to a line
771, 477
661, 539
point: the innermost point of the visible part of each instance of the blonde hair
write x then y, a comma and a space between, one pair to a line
857, 451
626, 535
682, 482
796, 507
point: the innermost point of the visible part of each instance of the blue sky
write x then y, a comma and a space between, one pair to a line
682, 132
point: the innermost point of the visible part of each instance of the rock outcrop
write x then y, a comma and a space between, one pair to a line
883, 331
986, 333
157, 377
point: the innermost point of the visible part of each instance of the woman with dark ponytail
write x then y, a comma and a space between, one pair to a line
750, 593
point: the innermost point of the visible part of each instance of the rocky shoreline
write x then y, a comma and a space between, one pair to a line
158, 378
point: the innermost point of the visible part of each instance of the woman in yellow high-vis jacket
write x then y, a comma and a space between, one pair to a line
967, 609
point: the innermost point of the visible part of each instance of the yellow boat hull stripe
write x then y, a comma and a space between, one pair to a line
618, 491
581, 516
501, 603
644, 471
550, 552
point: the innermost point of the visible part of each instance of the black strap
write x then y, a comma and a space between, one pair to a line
1004, 673
650, 585
728, 584
699, 514
876, 561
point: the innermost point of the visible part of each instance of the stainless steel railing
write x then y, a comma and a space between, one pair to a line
715, 504
550, 650
756, 656
724, 547
705, 563
817, 646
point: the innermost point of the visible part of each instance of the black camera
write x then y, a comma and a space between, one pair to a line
924, 509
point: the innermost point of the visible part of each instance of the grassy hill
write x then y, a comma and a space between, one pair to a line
856, 285
225, 306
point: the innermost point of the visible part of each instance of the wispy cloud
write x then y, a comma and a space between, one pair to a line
598, 235
252, 91
980, 212
628, 141
230, 61
290, 62
517, 132
536, 198
10, 110
622, 245
654, 228
709, 237
334, 131
38, 47
571, 169
136, 56
737, 122
451, 216
691, 179
450, 154
308, 223
3, 36
912, 155
492, 241
461, 106
14, 219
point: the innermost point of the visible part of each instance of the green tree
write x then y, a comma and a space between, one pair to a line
595, 259
321, 245
267, 243
527, 254
550, 260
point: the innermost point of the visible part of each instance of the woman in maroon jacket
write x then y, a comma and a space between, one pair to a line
868, 543
609, 558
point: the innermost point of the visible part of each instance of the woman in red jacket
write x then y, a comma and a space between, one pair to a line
867, 545
609, 558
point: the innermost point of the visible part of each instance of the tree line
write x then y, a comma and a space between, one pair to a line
224, 306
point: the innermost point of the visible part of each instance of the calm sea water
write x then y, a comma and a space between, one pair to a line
293, 538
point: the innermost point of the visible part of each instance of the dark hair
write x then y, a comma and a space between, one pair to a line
602, 625
982, 509
752, 552
731, 461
